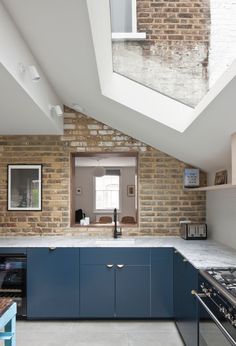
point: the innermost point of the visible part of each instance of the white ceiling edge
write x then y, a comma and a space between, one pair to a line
20, 115
14, 51
144, 100
215, 90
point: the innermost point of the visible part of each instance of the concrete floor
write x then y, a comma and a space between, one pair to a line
97, 333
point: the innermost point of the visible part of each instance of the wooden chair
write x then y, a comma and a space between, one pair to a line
105, 219
128, 219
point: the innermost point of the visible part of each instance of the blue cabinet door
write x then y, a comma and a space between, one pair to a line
162, 283
133, 291
112, 292
185, 305
52, 283
97, 291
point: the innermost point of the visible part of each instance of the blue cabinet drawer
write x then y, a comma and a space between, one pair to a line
13, 250
132, 256
158, 254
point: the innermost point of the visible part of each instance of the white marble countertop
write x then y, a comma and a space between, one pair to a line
201, 253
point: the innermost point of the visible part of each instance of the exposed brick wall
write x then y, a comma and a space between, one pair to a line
174, 20
162, 201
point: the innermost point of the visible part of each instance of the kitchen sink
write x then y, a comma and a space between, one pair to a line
115, 242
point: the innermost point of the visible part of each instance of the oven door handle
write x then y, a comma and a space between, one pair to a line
215, 319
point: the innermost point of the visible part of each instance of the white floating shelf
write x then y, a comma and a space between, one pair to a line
233, 173
211, 188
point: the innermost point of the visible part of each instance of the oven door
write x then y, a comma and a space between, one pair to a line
214, 328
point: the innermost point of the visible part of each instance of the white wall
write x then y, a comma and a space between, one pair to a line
221, 216
84, 179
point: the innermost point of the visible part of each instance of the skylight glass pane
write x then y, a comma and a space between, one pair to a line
188, 44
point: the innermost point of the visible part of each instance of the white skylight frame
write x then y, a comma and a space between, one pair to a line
133, 95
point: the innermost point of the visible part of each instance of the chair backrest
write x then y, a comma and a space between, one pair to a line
105, 219
128, 219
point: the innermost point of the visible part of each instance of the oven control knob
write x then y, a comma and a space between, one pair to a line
223, 310
228, 316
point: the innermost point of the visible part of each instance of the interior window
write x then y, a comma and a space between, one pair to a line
100, 183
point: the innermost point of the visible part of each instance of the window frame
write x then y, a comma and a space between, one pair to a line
73, 156
130, 36
107, 211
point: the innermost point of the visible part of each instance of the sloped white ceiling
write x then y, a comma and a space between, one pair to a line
59, 34
19, 114
24, 104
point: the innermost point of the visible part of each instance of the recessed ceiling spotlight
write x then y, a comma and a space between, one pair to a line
33, 72
57, 109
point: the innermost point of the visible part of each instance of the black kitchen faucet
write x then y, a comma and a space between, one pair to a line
117, 233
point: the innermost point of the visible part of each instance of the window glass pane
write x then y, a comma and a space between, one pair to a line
107, 190
121, 14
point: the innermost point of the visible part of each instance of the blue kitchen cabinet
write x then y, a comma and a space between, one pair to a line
52, 283
162, 283
133, 291
115, 282
97, 291
185, 305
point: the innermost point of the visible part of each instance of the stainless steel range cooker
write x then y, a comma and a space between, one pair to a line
217, 307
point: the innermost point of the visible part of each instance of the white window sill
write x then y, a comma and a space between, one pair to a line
128, 36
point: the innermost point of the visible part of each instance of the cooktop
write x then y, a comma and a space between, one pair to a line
226, 277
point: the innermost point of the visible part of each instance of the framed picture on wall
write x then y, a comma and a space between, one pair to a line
221, 177
24, 187
191, 177
130, 190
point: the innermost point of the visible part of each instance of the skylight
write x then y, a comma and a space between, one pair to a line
178, 48
153, 104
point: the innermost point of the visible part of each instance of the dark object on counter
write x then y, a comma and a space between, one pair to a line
193, 231
78, 215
